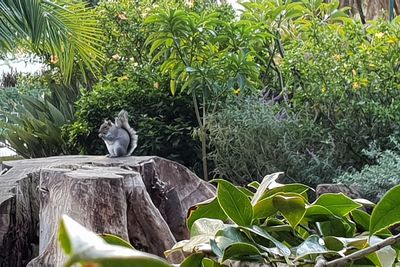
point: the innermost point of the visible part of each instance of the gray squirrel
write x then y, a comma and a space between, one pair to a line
120, 138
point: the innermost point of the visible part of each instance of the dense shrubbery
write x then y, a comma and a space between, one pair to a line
346, 78
164, 123
373, 181
250, 138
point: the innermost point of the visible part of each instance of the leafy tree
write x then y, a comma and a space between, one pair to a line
64, 31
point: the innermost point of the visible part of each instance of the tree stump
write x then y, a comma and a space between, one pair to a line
141, 199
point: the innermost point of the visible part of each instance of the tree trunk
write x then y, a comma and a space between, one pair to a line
141, 199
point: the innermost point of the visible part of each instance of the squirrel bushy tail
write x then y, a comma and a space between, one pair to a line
122, 122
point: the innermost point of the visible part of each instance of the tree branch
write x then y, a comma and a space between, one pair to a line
361, 253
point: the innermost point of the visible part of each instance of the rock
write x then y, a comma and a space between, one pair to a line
142, 199
349, 191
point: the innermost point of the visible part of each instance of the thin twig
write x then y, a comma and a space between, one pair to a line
362, 253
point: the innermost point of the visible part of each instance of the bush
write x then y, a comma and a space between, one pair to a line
250, 139
164, 123
346, 78
373, 181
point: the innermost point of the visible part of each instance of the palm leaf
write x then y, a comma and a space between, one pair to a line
67, 30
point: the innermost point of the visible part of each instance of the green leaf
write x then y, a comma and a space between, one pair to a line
292, 208
264, 208
194, 260
116, 240
205, 226
234, 203
318, 213
289, 188
266, 182
240, 251
386, 256
337, 227
333, 243
207, 209
226, 237
387, 211
84, 246
206, 262
261, 232
361, 218
312, 245
338, 204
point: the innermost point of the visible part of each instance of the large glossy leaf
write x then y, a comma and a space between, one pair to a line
337, 227
193, 260
205, 226
312, 245
227, 237
289, 188
292, 208
207, 209
267, 180
84, 246
338, 204
387, 211
234, 203
264, 208
206, 262
318, 213
284, 250
240, 251
384, 257
116, 240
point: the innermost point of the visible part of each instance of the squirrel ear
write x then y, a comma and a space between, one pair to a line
109, 122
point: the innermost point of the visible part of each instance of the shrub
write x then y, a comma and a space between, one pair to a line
346, 78
374, 180
250, 139
164, 123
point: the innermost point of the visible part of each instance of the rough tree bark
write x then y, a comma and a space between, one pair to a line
141, 199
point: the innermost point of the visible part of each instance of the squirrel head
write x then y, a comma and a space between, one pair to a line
105, 127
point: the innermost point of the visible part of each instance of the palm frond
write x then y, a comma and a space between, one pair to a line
64, 29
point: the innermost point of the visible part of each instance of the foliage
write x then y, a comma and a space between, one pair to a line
85, 247
374, 180
274, 222
64, 31
346, 78
195, 51
250, 138
32, 114
125, 35
268, 223
164, 123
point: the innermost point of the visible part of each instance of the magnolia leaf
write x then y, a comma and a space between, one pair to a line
338, 204
283, 249
318, 213
387, 211
115, 240
194, 260
206, 262
386, 255
264, 208
84, 246
267, 180
240, 251
205, 226
234, 203
312, 245
207, 209
292, 208
228, 236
